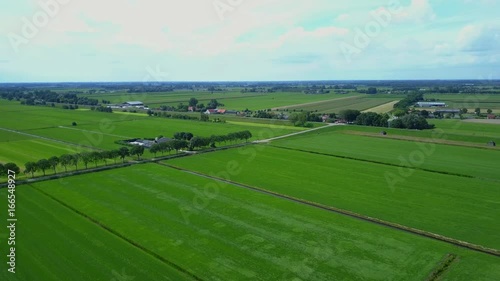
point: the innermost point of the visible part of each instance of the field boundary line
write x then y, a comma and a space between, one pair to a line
117, 234
449, 240
418, 139
49, 139
442, 267
382, 163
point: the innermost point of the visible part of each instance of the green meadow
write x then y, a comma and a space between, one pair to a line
457, 207
55, 243
452, 159
231, 233
360, 102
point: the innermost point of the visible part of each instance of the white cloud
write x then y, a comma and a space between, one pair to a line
419, 11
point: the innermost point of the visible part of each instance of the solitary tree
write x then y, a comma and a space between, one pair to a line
54, 161
138, 151
43, 165
477, 111
30, 168
489, 111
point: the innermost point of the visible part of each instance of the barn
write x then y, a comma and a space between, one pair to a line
133, 103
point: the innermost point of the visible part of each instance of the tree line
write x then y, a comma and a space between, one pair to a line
407, 121
84, 158
46, 96
186, 140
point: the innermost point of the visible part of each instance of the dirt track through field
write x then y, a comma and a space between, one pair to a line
297, 133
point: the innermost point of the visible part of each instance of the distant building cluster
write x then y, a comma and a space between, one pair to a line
431, 104
221, 111
149, 143
129, 104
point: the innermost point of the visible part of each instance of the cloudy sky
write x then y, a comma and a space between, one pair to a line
221, 40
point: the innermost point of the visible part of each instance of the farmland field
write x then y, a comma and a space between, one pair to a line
54, 243
19, 148
436, 157
342, 202
469, 101
353, 102
361, 187
239, 234
232, 99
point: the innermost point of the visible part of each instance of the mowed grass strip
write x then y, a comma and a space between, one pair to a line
229, 233
53, 243
456, 207
453, 159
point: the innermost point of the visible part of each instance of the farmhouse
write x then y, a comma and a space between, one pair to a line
211, 111
431, 104
215, 111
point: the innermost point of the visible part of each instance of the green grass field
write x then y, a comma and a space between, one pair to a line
232, 233
32, 149
345, 142
234, 100
361, 103
421, 200
54, 243
469, 101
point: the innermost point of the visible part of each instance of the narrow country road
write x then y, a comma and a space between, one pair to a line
297, 133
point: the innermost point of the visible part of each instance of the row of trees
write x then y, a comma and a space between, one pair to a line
186, 140
85, 158
408, 121
409, 101
47, 96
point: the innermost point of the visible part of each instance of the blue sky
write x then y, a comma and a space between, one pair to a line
221, 40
